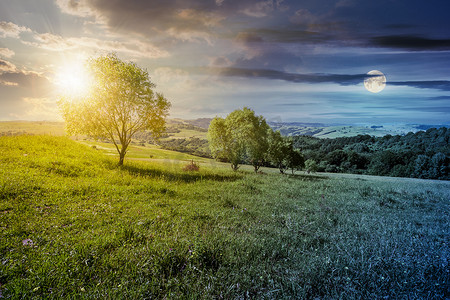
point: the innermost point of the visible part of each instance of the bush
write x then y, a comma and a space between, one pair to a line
192, 166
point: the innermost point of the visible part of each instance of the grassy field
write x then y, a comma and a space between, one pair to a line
31, 127
73, 225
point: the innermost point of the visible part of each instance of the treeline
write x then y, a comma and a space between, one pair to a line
425, 154
194, 146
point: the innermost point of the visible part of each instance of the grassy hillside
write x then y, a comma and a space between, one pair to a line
73, 225
8, 128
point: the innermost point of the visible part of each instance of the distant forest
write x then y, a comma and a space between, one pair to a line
424, 154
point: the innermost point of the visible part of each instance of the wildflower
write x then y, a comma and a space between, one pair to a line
27, 242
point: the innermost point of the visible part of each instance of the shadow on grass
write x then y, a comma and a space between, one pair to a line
178, 176
305, 177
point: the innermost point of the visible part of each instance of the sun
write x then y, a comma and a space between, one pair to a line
73, 79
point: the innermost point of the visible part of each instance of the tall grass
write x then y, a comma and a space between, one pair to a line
73, 225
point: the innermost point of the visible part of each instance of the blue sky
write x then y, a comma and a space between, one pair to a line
302, 60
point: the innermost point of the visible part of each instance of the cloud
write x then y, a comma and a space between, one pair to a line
292, 77
132, 47
220, 61
436, 109
303, 17
290, 36
8, 29
186, 20
165, 74
5, 52
52, 42
261, 54
342, 79
413, 43
25, 96
259, 9
440, 98
443, 85
6, 66
75, 7
37, 83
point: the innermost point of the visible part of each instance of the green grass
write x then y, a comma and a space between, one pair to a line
73, 225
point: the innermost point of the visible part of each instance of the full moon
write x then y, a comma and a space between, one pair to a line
375, 83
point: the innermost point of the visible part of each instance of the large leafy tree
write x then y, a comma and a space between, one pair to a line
279, 150
223, 144
241, 135
121, 101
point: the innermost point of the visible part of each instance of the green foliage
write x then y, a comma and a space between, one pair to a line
279, 150
223, 145
311, 166
121, 102
422, 155
240, 135
73, 225
294, 160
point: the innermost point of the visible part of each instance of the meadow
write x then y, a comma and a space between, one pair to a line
73, 225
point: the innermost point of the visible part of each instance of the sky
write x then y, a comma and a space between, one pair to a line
288, 60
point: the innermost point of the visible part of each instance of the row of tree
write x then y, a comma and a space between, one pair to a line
424, 154
243, 137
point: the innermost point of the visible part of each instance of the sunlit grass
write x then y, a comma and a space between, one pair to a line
74, 225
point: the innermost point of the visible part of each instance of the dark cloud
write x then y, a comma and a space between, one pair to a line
262, 54
187, 19
433, 109
293, 104
443, 85
293, 77
290, 36
414, 43
350, 114
6, 66
439, 98
37, 84
342, 79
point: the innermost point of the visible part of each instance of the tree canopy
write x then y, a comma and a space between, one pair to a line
121, 101
241, 135
244, 137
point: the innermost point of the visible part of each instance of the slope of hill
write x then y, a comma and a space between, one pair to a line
75, 226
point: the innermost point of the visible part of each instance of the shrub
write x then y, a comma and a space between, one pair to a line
191, 166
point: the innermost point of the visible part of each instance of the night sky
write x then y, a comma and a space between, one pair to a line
302, 60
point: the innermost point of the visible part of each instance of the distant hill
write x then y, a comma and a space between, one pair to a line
335, 131
322, 130
9, 128
196, 128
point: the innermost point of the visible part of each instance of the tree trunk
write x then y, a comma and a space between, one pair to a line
122, 153
121, 158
